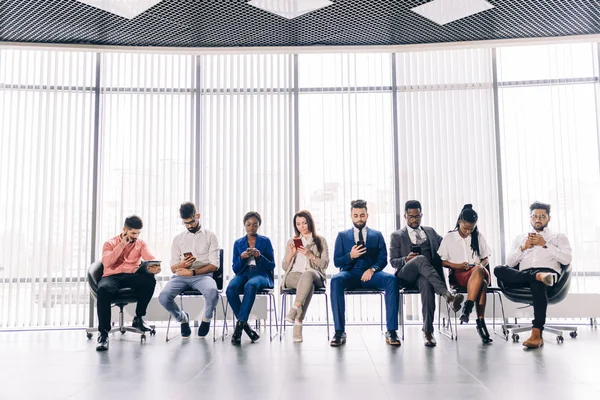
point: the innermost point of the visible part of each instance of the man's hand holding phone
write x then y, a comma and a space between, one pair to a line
357, 251
125, 240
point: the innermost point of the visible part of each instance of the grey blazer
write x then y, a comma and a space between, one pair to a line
400, 247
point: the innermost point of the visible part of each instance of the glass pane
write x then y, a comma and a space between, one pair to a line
550, 153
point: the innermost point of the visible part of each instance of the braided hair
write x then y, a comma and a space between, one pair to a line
469, 215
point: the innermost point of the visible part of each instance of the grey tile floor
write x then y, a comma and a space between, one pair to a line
64, 365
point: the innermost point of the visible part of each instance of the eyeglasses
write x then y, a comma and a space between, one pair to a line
541, 217
414, 216
189, 223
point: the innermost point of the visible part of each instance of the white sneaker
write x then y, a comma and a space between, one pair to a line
549, 278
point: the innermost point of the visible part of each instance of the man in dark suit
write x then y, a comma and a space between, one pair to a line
413, 252
361, 256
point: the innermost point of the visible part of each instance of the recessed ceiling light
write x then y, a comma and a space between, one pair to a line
290, 8
125, 8
444, 11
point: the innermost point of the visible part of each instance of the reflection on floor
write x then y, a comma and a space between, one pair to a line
64, 365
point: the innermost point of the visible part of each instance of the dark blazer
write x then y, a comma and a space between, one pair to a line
264, 265
375, 257
400, 247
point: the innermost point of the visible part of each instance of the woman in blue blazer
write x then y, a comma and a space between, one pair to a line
253, 265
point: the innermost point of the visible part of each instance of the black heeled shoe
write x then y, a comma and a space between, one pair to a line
483, 332
236, 337
467, 309
251, 333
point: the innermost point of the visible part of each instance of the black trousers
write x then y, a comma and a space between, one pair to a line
109, 286
512, 277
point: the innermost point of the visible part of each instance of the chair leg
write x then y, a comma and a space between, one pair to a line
168, 327
327, 314
283, 321
225, 329
381, 296
401, 314
274, 310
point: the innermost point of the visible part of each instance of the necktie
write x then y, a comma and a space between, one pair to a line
420, 238
361, 238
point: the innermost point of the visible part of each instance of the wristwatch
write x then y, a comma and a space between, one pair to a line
373, 269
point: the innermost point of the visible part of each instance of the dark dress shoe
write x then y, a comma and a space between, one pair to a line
482, 331
250, 332
203, 329
102, 343
467, 309
338, 339
429, 339
236, 338
139, 323
455, 301
391, 338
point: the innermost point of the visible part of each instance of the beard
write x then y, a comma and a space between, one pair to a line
359, 225
538, 226
194, 229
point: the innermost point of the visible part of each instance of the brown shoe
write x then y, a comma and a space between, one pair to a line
535, 340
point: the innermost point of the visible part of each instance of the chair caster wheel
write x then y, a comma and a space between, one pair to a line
515, 337
89, 335
123, 332
152, 332
560, 339
143, 338
573, 334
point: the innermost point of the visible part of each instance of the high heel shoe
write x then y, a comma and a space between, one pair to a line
251, 333
236, 338
482, 331
467, 308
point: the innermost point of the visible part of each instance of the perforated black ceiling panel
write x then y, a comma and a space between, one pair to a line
225, 23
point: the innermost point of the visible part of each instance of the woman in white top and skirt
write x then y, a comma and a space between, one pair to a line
305, 262
466, 252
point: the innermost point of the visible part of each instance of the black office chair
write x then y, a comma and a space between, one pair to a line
556, 294
269, 292
124, 296
292, 292
494, 291
218, 277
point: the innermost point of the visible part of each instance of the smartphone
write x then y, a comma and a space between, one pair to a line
415, 248
470, 265
188, 255
298, 242
360, 243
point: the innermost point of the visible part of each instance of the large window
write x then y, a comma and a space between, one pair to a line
345, 134
247, 152
147, 143
549, 144
46, 163
274, 133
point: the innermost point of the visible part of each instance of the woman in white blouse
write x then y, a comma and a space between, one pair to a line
305, 262
465, 251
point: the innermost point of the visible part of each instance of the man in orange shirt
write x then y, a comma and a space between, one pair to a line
121, 258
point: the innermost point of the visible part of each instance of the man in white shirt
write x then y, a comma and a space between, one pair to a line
194, 257
536, 261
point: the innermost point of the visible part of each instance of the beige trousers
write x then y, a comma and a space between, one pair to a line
305, 284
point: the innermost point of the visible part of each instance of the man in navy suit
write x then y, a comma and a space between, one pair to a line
361, 255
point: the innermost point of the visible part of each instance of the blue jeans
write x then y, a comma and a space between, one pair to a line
205, 284
247, 285
351, 280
